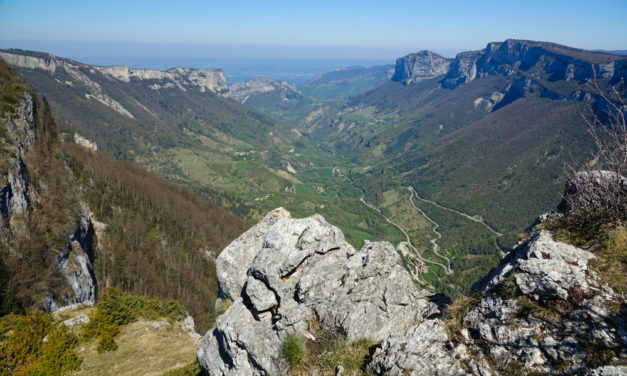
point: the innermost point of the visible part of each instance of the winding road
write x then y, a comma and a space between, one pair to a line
436, 225
411, 246
470, 217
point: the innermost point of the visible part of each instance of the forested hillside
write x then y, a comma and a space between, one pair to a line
76, 221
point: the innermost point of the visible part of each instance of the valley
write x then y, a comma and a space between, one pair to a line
433, 158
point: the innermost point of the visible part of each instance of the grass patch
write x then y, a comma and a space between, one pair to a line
328, 351
611, 260
525, 308
223, 306
142, 350
295, 350
117, 308
455, 312
192, 369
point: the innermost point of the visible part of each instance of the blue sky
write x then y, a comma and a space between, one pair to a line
302, 29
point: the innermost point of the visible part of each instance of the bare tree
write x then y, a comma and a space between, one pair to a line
610, 136
600, 196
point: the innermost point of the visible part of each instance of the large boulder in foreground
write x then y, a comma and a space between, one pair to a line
304, 270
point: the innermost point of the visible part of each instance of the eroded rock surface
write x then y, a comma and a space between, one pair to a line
303, 270
541, 310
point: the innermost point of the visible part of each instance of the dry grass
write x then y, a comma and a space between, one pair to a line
454, 314
142, 350
330, 350
611, 260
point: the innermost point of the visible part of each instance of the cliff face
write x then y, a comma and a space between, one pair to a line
243, 91
24, 193
558, 62
543, 309
420, 66
181, 78
508, 58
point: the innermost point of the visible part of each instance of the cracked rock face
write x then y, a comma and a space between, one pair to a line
301, 270
19, 194
555, 315
546, 269
542, 311
420, 351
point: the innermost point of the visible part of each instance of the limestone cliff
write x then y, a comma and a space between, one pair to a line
510, 58
243, 91
184, 79
513, 56
420, 66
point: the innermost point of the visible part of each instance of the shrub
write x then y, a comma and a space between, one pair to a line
294, 350
25, 351
117, 308
106, 340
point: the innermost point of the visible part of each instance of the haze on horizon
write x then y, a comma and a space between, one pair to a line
352, 30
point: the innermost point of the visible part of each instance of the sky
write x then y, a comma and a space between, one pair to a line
313, 29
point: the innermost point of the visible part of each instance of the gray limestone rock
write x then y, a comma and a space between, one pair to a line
189, 327
234, 261
75, 262
608, 371
420, 66
544, 269
558, 310
242, 91
303, 270
422, 350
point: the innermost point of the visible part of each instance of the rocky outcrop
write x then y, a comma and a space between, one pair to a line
420, 66
76, 261
235, 260
84, 142
292, 271
242, 91
542, 310
463, 69
422, 350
